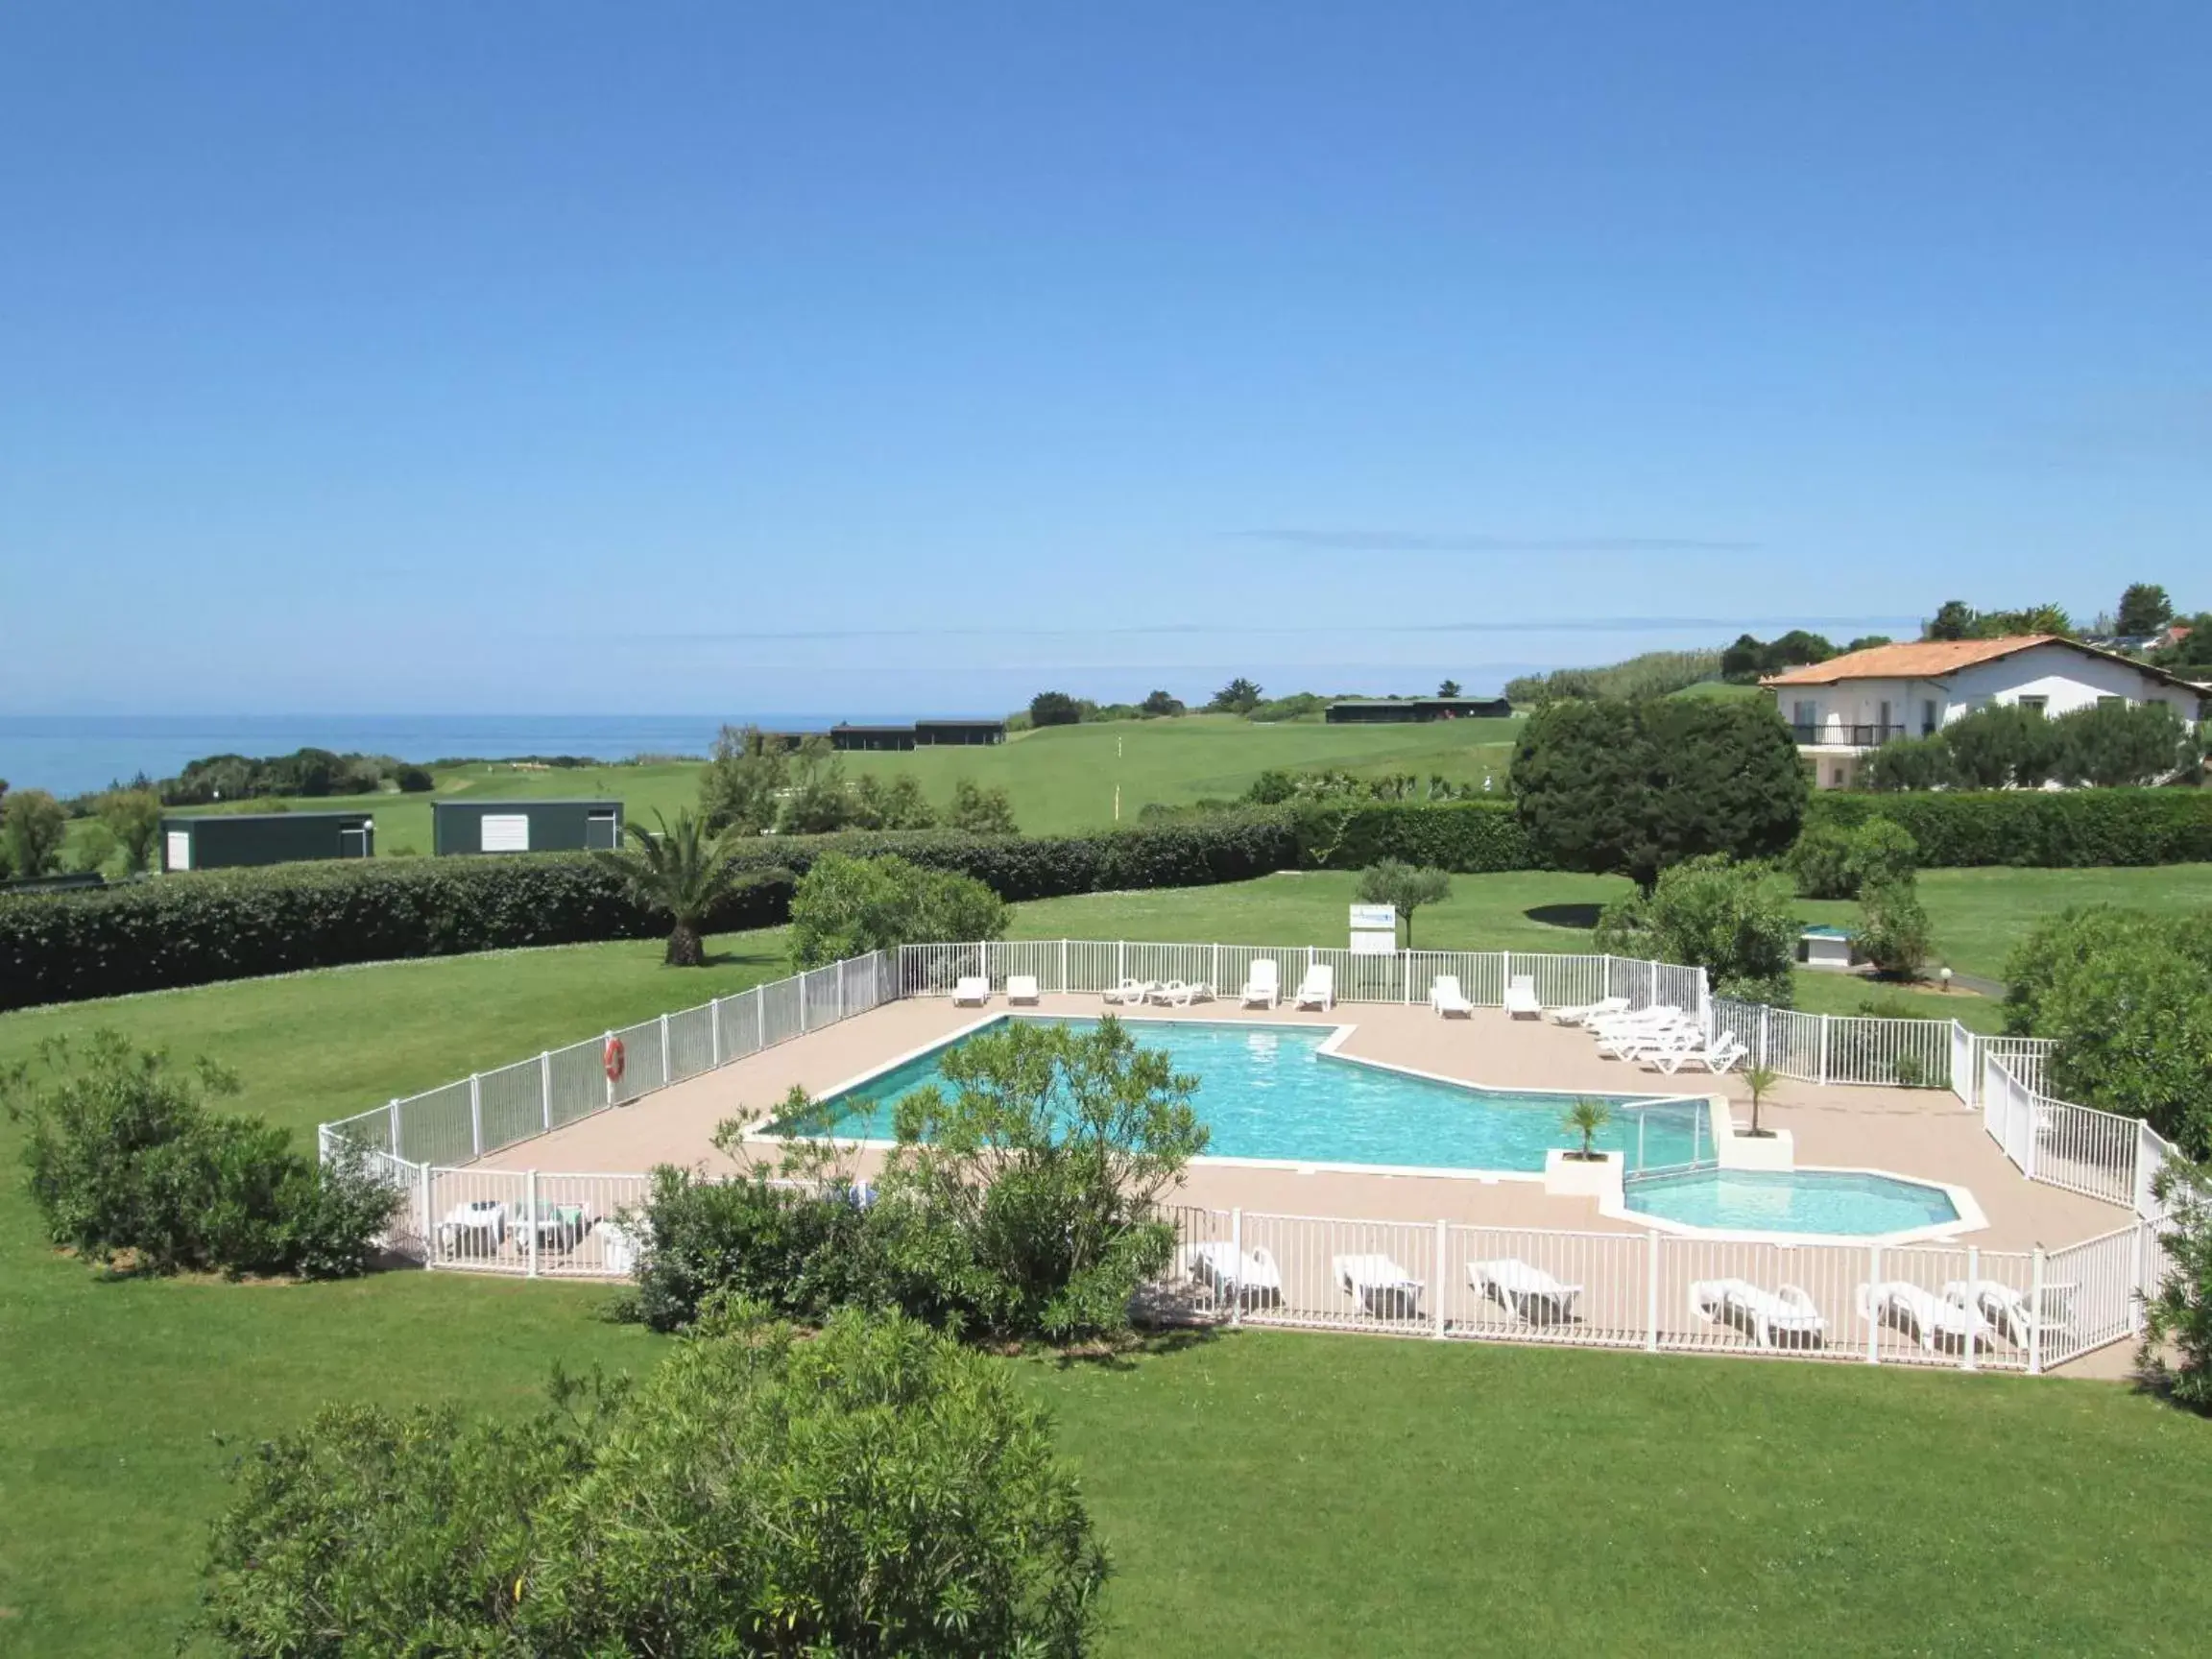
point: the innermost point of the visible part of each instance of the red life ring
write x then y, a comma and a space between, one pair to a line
614, 1059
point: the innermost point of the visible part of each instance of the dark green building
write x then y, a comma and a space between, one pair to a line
523, 826
220, 840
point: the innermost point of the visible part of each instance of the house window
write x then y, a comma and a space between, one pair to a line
1928, 717
2035, 705
1836, 778
1805, 716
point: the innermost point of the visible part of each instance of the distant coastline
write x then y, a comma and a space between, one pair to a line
71, 754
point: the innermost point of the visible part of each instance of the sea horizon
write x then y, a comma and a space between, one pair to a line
73, 753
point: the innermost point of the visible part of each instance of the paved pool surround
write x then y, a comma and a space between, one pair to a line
1922, 1133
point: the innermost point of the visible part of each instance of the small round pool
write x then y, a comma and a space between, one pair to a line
1847, 1202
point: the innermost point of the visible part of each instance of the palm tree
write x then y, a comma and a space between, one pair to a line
681, 872
1759, 1081
1585, 1117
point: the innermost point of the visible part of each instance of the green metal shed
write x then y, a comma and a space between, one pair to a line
523, 826
218, 840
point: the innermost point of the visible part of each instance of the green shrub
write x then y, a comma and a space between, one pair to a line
1894, 932
122, 1155
872, 1491
2176, 1353
1024, 1189
2133, 1025
2055, 829
34, 825
414, 780
1821, 862
797, 1252
1731, 919
1907, 763
846, 907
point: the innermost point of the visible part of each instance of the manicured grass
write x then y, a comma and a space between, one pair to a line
312, 1046
1977, 915
1260, 1492
1059, 779
1269, 1493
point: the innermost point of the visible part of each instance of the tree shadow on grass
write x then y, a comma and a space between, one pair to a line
1145, 1342
1583, 917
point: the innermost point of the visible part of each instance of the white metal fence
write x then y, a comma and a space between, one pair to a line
1079, 965
1940, 1304
1654, 1290
459, 1123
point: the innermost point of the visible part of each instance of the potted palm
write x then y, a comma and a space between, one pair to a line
1587, 1172
1585, 1117
1759, 1082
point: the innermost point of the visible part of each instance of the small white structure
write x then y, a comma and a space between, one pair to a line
1824, 947
1848, 706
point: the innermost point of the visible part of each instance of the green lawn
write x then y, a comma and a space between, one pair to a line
1060, 780
1372, 1494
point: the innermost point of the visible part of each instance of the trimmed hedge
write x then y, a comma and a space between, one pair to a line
191, 929
2070, 829
1468, 838
194, 928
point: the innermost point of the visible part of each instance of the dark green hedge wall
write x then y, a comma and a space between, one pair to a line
236, 924
189, 929
2061, 829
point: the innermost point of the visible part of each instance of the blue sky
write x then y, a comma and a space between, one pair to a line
419, 357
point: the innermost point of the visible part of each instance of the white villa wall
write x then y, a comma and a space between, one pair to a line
2067, 679
2070, 679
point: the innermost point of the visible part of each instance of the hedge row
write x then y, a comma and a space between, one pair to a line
191, 929
214, 925
2067, 828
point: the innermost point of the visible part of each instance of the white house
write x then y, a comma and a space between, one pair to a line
1849, 705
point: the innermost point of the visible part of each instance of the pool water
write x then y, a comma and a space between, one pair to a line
1832, 1201
1268, 1091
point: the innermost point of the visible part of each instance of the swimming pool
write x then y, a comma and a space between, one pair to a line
1267, 1091
1837, 1202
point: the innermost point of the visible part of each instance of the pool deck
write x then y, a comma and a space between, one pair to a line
1914, 1132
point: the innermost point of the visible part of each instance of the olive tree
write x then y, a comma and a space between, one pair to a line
1404, 886
1731, 919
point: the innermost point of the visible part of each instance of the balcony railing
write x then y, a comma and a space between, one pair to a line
1835, 735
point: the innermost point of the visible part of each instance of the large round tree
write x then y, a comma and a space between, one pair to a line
1634, 787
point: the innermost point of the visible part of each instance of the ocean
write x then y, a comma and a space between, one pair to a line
70, 753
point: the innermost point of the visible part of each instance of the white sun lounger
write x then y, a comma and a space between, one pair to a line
1380, 1286
1921, 1314
1521, 998
2010, 1312
1524, 1290
1246, 1278
476, 1228
1606, 1007
1446, 997
1263, 984
971, 988
1021, 988
1319, 990
621, 1245
1715, 1056
1659, 1014
1651, 1041
1176, 993
1784, 1318
1131, 991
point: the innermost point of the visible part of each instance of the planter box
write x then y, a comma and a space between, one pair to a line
1566, 1177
